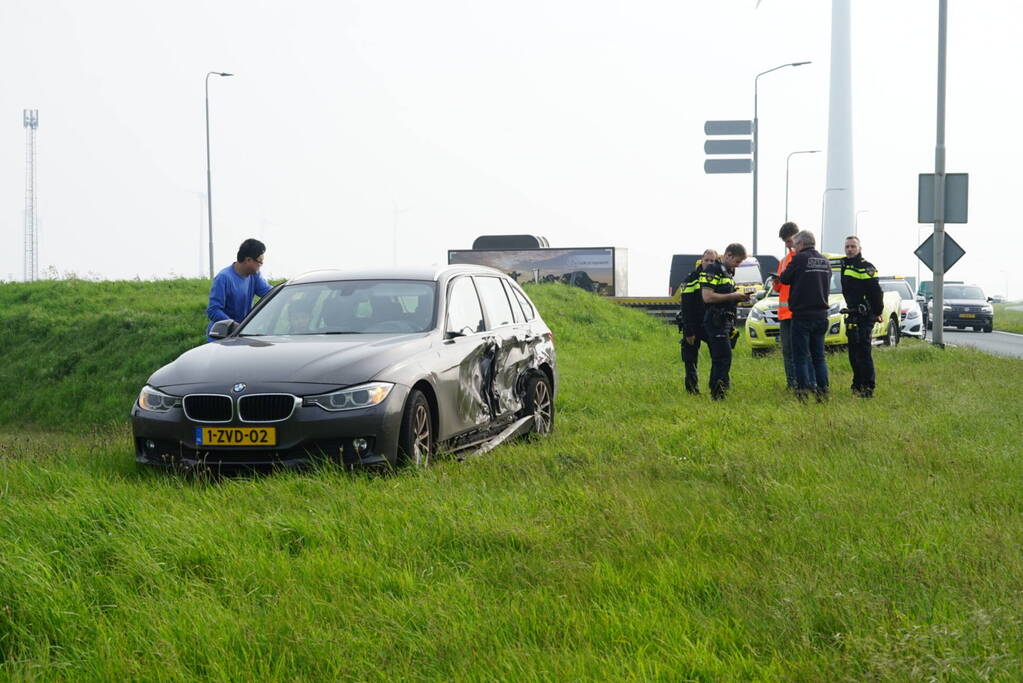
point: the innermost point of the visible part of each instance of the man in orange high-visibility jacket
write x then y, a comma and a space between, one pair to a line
787, 232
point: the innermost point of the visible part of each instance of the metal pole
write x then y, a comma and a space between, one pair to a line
756, 162
802, 151
939, 184
856, 221
209, 180
756, 144
824, 204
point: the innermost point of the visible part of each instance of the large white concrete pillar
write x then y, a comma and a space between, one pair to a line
839, 198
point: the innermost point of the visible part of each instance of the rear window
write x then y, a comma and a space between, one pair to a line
495, 301
527, 307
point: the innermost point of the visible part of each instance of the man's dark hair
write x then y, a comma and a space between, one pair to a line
736, 249
788, 230
252, 249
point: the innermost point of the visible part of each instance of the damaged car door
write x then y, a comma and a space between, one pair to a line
467, 355
505, 321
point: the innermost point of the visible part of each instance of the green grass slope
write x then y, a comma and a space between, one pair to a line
1008, 320
76, 353
654, 536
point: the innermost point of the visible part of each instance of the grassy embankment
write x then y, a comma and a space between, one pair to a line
654, 535
1009, 320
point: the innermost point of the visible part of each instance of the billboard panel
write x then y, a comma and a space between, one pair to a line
591, 268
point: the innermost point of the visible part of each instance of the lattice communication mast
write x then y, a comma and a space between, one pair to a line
31, 264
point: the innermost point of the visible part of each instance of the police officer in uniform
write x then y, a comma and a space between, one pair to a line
865, 303
717, 288
690, 321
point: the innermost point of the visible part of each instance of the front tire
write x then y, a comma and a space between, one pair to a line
891, 337
415, 436
539, 402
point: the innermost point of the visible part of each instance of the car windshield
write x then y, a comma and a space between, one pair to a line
346, 307
900, 286
836, 282
748, 274
958, 292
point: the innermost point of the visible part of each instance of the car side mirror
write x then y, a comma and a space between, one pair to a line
223, 328
464, 332
989, 300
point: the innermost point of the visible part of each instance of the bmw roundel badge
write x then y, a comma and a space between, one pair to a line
238, 388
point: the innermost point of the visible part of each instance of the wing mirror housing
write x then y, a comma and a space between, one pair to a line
223, 328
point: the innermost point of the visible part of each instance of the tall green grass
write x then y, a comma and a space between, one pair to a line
1008, 320
655, 535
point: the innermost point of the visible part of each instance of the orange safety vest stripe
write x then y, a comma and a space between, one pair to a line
783, 290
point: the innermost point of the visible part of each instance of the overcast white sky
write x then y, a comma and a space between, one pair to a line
578, 120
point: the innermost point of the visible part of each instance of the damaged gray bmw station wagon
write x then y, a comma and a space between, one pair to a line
373, 367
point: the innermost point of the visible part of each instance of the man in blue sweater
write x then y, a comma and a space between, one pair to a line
235, 286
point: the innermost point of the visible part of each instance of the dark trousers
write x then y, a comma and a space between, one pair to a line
858, 332
691, 356
785, 334
718, 330
808, 354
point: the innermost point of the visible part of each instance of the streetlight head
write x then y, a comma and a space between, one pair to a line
225, 74
800, 63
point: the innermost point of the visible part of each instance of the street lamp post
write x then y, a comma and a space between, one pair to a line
856, 221
394, 243
756, 140
802, 151
209, 181
824, 203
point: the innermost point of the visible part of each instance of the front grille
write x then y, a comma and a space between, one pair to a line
266, 407
208, 408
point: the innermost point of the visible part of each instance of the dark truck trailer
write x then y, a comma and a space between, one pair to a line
601, 270
683, 264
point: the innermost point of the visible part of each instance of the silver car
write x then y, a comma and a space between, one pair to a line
359, 368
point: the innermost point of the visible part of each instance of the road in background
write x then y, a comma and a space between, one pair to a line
998, 343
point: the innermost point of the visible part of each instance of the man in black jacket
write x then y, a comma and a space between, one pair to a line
690, 321
865, 302
809, 273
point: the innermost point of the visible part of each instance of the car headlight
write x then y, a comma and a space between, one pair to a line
353, 398
834, 308
913, 313
987, 309
756, 314
946, 307
157, 401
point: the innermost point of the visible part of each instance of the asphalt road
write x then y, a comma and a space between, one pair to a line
998, 343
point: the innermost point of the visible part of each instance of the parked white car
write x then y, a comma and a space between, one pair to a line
911, 315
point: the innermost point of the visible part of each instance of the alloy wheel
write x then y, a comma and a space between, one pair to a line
421, 436
542, 408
